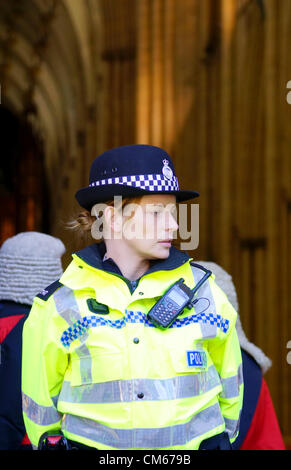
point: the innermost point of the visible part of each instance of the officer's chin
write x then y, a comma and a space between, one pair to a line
163, 250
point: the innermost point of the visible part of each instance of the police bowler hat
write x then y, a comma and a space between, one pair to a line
129, 171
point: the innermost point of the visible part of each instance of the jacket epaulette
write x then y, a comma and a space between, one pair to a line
48, 291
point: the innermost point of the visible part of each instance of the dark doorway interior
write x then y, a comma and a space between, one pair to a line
23, 185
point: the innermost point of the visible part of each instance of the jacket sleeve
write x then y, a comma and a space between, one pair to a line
44, 362
225, 353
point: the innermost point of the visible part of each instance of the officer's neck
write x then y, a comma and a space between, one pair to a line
131, 264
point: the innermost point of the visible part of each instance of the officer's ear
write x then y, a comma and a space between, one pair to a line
112, 221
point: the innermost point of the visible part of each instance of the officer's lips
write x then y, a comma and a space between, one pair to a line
167, 243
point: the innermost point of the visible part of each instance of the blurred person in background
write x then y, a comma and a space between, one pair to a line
259, 427
29, 261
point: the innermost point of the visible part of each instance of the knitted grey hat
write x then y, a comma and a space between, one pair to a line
29, 262
224, 281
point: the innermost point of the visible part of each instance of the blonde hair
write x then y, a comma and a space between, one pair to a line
82, 222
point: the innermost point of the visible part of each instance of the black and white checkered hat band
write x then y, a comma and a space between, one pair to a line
149, 182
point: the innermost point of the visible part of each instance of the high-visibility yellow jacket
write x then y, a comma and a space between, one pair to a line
114, 380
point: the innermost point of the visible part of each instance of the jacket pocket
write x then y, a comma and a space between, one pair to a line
97, 367
198, 371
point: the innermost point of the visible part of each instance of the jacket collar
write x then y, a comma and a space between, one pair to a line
93, 256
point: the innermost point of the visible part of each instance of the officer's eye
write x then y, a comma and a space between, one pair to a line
158, 212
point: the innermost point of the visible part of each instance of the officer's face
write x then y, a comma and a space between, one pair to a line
149, 227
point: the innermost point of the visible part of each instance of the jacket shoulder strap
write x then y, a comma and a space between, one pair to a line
48, 291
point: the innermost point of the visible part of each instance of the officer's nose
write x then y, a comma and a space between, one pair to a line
171, 222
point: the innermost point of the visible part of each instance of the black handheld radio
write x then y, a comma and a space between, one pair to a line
173, 302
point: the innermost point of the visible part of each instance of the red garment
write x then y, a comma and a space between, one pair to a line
264, 432
7, 324
25, 441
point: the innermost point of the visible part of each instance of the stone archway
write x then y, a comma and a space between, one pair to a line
49, 53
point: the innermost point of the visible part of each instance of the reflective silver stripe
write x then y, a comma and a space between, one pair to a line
67, 307
145, 438
39, 414
85, 364
231, 385
184, 386
231, 426
205, 304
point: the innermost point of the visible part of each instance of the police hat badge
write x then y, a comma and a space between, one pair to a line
166, 170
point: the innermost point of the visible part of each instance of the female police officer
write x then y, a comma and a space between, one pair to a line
95, 366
